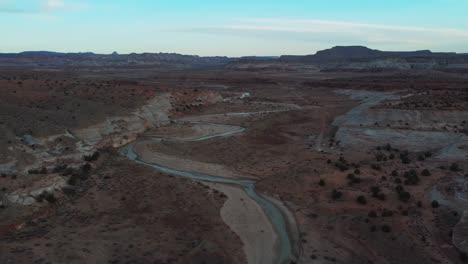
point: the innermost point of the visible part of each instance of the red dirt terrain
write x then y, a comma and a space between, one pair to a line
366, 166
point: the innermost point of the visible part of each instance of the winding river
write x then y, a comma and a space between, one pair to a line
273, 212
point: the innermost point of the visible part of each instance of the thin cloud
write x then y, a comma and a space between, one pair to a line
11, 10
340, 32
54, 4
62, 5
314, 25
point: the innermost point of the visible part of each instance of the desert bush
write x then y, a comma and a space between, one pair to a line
426, 172
399, 188
59, 168
376, 193
42, 170
404, 157
411, 177
454, 167
372, 214
361, 199
336, 194
387, 213
386, 229
91, 158
49, 197
404, 196
353, 179
376, 167
435, 204
321, 182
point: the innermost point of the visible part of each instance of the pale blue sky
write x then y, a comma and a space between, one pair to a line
231, 27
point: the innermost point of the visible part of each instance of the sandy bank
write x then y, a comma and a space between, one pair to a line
247, 219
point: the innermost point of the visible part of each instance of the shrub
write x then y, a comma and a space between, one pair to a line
380, 157
86, 168
454, 167
42, 170
376, 167
386, 229
404, 156
435, 204
342, 166
387, 213
404, 196
59, 168
321, 182
381, 196
425, 172
353, 179
336, 195
49, 197
399, 188
394, 173
388, 147
372, 214
91, 158
68, 190
376, 192
361, 199
411, 177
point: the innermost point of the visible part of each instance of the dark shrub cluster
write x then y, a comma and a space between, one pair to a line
411, 177
91, 158
49, 197
377, 193
352, 179
42, 170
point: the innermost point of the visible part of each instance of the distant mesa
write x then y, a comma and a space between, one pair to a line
344, 53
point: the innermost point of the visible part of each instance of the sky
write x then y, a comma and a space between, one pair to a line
231, 27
